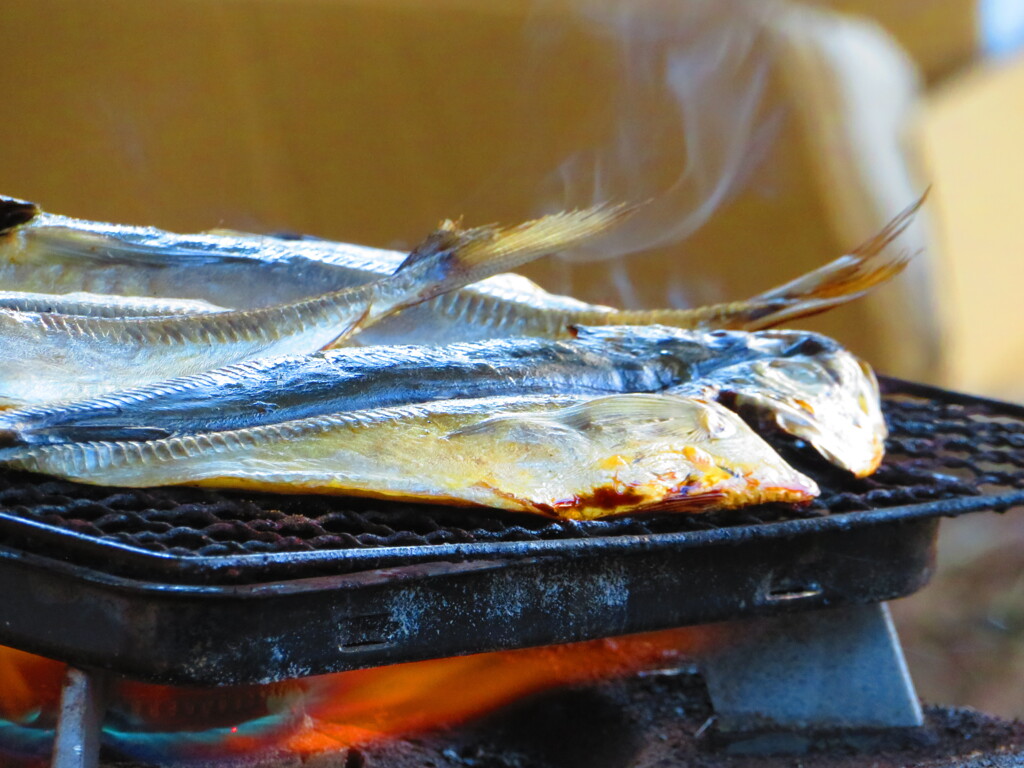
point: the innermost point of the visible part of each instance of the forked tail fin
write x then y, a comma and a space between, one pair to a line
836, 283
847, 278
452, 257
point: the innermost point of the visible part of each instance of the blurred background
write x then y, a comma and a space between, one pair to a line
770, 137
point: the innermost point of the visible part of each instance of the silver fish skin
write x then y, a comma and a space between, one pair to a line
275, 389
55, 254
54, 357
600, 360
103, 304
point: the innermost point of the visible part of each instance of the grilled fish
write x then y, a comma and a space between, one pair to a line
557, 455
801, 383
41, 252
55, 357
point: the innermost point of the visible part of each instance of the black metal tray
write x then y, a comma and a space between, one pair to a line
195, 617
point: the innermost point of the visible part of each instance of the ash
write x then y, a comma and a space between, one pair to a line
662, 721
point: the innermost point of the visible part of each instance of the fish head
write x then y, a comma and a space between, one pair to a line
645, 453
724, 464
830, 400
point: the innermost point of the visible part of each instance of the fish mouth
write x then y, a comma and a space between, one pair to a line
859, 451
856, 449
877, 454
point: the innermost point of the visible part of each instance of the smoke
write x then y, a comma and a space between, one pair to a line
689, 123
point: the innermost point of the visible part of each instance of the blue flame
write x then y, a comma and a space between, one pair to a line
24, 742
157, 746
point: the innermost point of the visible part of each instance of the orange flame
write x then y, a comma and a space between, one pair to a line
349, 708
366, 705
27, 683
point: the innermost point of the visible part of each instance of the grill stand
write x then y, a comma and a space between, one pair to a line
782, 684
82, 706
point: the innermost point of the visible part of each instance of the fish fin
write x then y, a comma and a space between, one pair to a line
615, 410
688, 416
451, 256
343, 340
14, 213
497, 250
847, 278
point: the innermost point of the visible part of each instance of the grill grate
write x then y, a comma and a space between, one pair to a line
942, 446
161, 584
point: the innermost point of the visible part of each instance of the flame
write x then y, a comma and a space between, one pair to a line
409, 698
329, 712
28, 684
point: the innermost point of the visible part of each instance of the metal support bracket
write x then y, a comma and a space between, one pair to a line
780, 683
82, 706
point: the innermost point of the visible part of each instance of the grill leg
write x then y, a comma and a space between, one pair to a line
838, 670
82, 706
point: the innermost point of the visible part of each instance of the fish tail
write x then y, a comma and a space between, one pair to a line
847, 278
836, 283
449, 258
452, 257
14, 213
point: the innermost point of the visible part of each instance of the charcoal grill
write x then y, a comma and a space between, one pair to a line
191, 587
